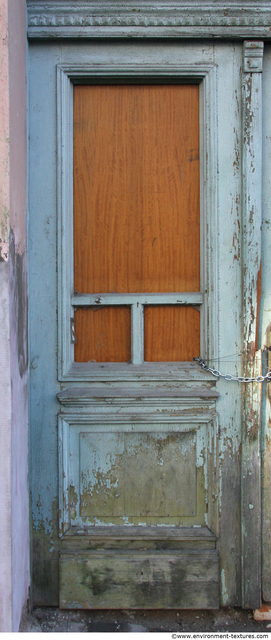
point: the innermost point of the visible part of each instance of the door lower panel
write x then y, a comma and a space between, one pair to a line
117, 579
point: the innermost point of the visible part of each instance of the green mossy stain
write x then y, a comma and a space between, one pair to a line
45, 549
96, 581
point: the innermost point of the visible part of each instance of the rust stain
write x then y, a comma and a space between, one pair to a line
250, 352
252, 424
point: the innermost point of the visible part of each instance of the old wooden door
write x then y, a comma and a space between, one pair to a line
136, 465
140, 507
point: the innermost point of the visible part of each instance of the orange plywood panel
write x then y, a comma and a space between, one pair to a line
103, 334
172, 333
136, 188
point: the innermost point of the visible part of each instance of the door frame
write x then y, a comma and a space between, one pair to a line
164, 22
67, 75
68, 371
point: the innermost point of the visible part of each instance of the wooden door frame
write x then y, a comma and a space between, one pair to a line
159, 20
67, 75
251, 517
251, 197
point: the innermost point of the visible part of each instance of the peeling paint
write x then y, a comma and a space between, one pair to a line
105, 473
252, 424
224, 594
138, 474
258, 303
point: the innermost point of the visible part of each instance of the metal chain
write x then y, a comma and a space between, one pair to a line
228, 376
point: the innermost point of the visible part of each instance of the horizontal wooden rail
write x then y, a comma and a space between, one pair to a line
108, 299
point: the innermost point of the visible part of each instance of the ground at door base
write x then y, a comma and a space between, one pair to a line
52, 619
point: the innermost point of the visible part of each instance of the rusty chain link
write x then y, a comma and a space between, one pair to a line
228, 376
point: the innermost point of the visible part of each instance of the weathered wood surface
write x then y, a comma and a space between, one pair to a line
252, 221
265, 329
229, 67
100, 299
139, 580
137, 474
149, 372
72, 395
138, 538
121, 70
195, 534
266, 488
153, 469
152, 19
44, 384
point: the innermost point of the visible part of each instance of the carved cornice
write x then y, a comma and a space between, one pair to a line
82, 19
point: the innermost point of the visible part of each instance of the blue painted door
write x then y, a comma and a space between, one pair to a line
135, 450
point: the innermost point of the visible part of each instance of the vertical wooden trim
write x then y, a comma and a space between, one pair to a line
65, 218
209, 214
137, 333
252, 218
63, 466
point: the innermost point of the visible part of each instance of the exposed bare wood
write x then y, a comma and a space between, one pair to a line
166, 372
266, 530
139, 469
144, 533
74, 395
145, 474
139, 580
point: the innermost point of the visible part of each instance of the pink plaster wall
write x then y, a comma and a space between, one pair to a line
18, 308
14, 507
5, 454
5, 387
4, 131
18, 134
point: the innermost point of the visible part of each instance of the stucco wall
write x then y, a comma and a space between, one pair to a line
5, 386
14, 509
18, 308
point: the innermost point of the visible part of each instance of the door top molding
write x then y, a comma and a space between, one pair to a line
159, 19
